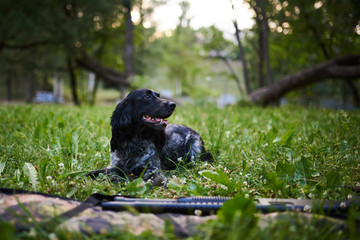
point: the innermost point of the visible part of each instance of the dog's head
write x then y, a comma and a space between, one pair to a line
142, 107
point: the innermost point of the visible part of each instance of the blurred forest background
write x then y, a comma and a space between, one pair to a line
89, 51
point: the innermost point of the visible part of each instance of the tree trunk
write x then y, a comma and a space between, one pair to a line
261, 60
29, 86
129, 43
265, 41
343, 67
73, 83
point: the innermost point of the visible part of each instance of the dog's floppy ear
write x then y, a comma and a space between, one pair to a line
121, 116
120, 120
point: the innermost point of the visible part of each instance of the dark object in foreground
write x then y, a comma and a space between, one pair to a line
210, 205
87, 217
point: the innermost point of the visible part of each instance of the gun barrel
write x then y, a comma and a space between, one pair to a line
153, 206
210, 205
200, 199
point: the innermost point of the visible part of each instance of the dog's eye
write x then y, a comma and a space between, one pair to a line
147, 97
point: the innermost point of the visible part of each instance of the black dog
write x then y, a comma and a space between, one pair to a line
143, 142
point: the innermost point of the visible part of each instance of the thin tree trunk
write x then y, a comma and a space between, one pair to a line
242, 54
129, 43
73, 83
243, 59
9, 88
227, 63
233, 74
356, 97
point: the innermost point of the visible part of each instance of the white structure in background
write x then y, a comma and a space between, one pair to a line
56, 96
58, 89
178, 89
226, 99
91, 85
166, 93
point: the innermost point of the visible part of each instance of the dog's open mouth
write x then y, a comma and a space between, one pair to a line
155, 120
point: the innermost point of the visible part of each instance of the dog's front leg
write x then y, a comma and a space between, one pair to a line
143, 162
148, 166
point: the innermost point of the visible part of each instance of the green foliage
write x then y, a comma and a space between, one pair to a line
43, 35
137, 187
283, 152
237, 219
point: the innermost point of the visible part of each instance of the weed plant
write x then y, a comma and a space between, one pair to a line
287, 152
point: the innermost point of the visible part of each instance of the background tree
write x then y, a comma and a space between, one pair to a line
181, 55
303, 34
62, 36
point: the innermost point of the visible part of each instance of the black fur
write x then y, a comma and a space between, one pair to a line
143, 143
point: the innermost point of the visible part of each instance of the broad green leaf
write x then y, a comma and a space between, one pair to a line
2, 166
286, 138
218, 176
246, 207
31, 173
136, 187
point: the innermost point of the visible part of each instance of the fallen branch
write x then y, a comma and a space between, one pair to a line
108, 74
342, 68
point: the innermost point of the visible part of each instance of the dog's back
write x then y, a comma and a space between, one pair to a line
182, 144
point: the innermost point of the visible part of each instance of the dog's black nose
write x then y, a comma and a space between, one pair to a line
172, 105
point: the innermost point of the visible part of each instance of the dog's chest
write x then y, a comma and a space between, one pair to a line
137, 151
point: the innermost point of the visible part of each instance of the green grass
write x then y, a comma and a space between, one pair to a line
275, 152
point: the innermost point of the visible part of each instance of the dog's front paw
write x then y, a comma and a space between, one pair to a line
158, 180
